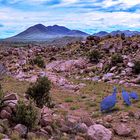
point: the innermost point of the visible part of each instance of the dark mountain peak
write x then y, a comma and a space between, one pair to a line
38, 25
41, 32
101, 33
56, 25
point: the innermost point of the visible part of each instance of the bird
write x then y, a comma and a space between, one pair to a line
109, 101
134, 95
126, 97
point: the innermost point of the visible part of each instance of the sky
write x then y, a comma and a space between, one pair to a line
90, 16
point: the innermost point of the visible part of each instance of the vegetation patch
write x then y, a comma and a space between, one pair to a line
40, 92
26, 114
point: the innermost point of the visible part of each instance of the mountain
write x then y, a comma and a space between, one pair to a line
101, 33
127, 33
40, 32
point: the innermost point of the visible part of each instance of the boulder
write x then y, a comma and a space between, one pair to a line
130, 64
46, 120
98, 132
5, 114
81, 128
72, 121
21, 129
122, 129
8, 109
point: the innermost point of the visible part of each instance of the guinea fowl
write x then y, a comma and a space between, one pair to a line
126, 97
134, 95
109, 101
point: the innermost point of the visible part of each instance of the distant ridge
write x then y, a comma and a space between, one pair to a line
39, 32
128, 33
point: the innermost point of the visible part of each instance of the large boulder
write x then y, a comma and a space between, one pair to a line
98, 132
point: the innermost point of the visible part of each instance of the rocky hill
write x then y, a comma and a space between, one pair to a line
81, 75
40, 32
127, 33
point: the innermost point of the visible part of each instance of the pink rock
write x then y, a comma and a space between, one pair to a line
72, 120
46, 111
45, 121
21, 129
122, 129
8, 109
99, 132
5, 115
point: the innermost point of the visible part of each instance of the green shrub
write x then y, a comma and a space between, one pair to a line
116, 58
26, 114
136, 68
94, 56
40, 92
69, 99
39, 61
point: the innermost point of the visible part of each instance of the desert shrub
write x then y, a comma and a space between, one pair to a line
94, 56
39, 61
116, 58
69, 99
40, 92
136, 68
26, 114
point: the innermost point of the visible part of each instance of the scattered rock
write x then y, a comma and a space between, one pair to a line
122, 129
98, 132
21, 129
130, 64
82, 128
108, 118
5, 115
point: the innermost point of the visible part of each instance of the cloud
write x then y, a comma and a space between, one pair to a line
89, 15
120, 3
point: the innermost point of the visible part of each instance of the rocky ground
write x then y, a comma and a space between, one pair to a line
79, 85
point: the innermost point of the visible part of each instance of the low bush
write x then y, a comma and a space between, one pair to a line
40, 92
116, 58
94, 56
39, 61
26, 114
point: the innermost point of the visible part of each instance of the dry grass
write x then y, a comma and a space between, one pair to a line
87, 99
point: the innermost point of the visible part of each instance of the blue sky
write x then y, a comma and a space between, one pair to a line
87, 15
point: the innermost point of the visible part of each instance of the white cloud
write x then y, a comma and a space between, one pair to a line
123, 3
78, 18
